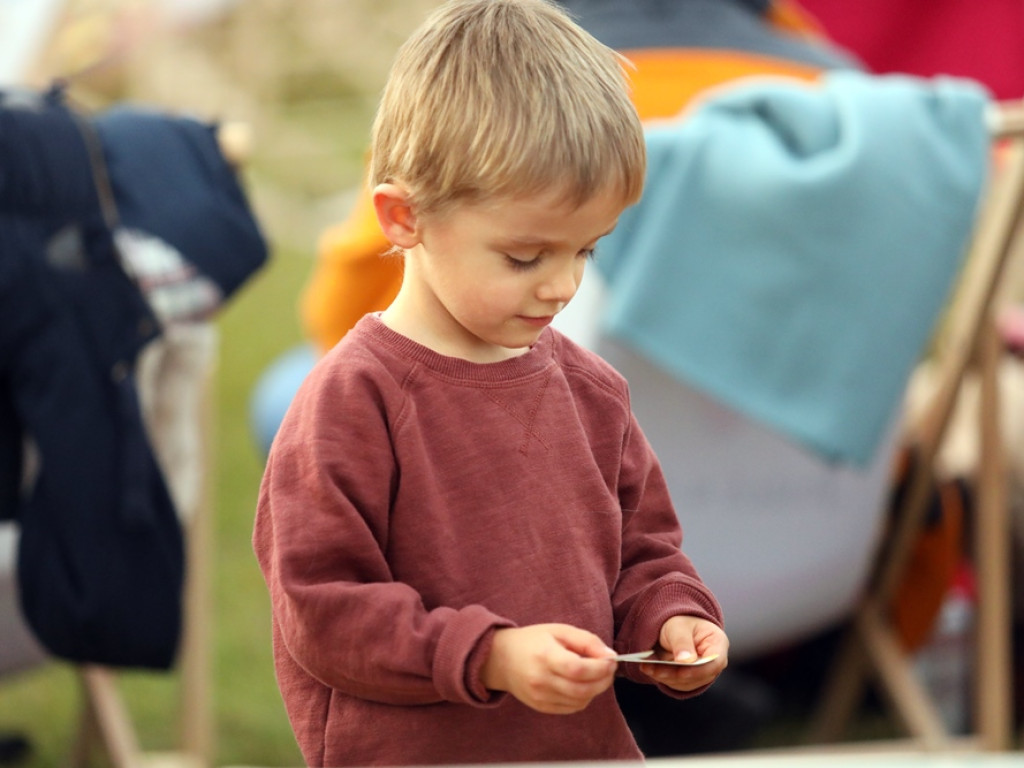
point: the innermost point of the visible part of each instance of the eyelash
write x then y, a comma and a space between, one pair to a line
522, 266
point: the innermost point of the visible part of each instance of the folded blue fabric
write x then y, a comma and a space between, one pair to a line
796, 244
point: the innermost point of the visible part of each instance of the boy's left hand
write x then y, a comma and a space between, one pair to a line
685, 638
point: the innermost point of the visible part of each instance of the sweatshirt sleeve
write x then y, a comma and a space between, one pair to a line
658, 581
319, 537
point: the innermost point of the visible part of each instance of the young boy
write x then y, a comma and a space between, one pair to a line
461, 523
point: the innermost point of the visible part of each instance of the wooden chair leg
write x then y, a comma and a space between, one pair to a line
843, 691
197, 733
105, 722
911, 703
871, 648
86, 738
195, 714
992, 547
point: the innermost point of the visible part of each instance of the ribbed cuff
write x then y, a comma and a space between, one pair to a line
461, 653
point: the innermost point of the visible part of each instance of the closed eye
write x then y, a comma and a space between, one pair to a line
521, 265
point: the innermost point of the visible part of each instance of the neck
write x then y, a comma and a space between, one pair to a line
406, 315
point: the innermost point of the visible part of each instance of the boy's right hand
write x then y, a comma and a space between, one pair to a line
552, 668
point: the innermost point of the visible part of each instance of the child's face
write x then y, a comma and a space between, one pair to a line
492, 276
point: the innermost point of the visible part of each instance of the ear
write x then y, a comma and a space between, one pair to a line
395, 213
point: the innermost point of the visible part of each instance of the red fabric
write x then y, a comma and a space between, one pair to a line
979, 39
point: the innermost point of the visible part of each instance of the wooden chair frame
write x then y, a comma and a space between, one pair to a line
871, 647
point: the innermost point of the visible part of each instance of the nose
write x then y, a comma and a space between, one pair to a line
561, 284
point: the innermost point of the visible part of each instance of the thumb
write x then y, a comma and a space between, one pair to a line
582, 642
677, 639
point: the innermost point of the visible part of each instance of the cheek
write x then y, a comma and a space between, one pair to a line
489, 296
496, 294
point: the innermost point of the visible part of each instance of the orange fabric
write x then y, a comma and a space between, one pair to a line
351, 276
667, 80
932, 566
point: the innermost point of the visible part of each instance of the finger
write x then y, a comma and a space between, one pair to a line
577, 694
710, 639
683, 651
559, 708
716, 645
681, 678
582, 670
678, 680
582, 642
679, 642
558, 694
682, 646
584, 655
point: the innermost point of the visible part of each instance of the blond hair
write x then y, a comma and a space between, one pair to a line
496, 98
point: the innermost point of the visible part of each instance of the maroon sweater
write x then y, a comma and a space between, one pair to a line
413, 503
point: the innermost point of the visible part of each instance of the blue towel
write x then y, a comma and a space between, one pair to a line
796, 244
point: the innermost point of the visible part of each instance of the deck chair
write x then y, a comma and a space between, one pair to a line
871, 649
826, 543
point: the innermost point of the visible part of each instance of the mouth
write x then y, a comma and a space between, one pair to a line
537, 322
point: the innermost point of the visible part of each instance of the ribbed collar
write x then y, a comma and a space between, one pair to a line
538, 358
